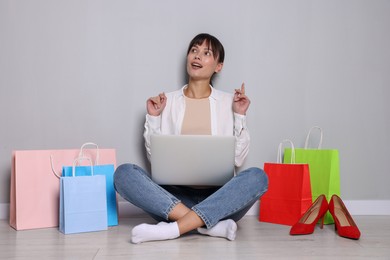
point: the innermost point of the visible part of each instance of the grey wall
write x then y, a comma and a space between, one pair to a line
77, 71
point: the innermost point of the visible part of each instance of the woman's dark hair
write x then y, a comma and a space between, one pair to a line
211, 41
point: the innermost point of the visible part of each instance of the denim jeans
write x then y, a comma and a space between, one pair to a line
231, 201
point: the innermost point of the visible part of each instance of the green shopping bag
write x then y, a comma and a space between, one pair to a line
324, 169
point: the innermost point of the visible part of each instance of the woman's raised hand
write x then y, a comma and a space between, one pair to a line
240, 101
155, 105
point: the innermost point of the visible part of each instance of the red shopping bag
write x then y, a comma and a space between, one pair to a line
289, 191
34, 191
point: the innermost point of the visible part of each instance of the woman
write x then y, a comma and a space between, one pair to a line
197, 108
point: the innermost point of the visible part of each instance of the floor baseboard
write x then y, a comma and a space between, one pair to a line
355, 207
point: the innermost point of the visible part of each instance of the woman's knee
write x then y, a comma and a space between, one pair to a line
258, 178
122, 174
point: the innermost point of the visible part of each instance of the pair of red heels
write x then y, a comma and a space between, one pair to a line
344, 224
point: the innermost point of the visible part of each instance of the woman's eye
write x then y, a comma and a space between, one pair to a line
208, 53
193, 50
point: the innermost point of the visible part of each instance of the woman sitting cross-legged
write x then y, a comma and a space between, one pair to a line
198, 109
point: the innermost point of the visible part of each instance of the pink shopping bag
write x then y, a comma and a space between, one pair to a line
34, 191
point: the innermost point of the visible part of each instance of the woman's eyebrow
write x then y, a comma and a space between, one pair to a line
197, 46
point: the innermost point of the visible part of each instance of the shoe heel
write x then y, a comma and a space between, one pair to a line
322, 221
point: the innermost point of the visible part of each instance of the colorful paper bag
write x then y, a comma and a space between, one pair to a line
34, 191
106, 170
324, 169
83, 206
289, 192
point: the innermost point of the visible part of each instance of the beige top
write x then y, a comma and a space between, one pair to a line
197, 117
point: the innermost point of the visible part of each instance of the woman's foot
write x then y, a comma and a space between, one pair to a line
226, 228
147, 232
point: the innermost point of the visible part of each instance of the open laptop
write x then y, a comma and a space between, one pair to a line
192, 159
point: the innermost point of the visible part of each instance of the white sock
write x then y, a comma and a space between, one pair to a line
226, 228
147, 232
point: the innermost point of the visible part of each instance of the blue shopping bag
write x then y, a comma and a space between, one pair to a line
106, 170
83, 206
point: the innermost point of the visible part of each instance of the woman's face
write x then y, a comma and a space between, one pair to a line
201, 62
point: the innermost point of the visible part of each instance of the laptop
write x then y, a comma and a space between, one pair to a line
192, 159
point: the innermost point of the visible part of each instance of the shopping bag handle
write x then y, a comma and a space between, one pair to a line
81, 153
279, 158
308, 137
79, 159
52, 167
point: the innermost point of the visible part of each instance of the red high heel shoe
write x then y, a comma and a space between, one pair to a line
309, 219
343, 222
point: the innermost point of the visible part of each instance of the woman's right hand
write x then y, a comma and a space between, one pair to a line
155, 105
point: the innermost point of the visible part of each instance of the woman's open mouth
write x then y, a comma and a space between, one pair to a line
196, 65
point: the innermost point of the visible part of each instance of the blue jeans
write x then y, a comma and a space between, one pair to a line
230, 201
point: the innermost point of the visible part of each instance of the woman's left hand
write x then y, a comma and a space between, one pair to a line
240, 101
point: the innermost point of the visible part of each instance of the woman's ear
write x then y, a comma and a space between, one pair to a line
219, 67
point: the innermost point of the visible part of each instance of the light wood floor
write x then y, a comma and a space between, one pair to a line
255, 240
